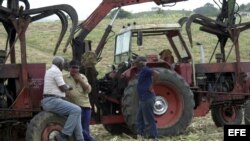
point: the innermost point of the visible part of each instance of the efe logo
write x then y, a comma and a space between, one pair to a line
236, 132
241, 132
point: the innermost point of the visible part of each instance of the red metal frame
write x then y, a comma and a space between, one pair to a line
107, 5
28, 78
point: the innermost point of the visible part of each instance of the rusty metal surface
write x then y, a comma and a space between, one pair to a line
112, 119
6, 114
185, 70
28, 97
10, 70
222, 67
36, 74
24, 82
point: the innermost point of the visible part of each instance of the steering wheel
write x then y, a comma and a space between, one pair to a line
134, 55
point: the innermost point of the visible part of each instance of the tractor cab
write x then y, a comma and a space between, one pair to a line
162, 44
144, 40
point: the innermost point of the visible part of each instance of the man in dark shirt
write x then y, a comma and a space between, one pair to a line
145, 116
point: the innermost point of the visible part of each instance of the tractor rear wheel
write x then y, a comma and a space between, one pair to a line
247, 113
117, 129
44, 127
173, 107
130, 104
227, 115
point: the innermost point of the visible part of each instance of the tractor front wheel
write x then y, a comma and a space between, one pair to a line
44, 127
173, 107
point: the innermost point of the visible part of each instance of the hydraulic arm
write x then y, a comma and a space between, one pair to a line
102, 10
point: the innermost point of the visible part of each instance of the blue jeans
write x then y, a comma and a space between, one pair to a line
146, 124
65, 108
86, 118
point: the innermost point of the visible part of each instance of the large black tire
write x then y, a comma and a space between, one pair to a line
117, 129
130, 105
247, 113
44, 126
227, 115
175, 92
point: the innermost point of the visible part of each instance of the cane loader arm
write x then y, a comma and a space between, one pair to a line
105, 7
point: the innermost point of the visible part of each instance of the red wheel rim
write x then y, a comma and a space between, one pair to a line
50, 131
228, 113
174, 101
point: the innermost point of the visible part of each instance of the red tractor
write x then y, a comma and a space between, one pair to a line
184, 90
21, 84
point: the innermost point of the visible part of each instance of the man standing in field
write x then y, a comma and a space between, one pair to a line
145, 117
79, 95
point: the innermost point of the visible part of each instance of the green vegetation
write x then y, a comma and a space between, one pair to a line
208, 10
121, 15
42, 37
245, 7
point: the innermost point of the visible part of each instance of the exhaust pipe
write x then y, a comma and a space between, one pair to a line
202, 53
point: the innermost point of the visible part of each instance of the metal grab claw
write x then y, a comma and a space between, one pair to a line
205, 22
211, 26
37, 14
222, 27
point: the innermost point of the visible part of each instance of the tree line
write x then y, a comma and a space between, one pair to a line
207, 10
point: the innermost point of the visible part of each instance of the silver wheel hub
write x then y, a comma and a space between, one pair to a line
52, 135
160, 106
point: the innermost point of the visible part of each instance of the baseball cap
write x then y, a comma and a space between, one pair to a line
74, 64
140, 59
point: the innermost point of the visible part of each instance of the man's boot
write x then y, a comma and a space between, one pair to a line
61, 137
140, 138
155, 139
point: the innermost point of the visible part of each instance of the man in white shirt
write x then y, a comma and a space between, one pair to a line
53, 101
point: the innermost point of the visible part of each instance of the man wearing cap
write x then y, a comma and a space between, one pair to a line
79, 95
145, 117
53, 101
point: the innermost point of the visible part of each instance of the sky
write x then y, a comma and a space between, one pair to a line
85, 7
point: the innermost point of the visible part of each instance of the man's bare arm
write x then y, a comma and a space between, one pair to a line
65, 88
84, 84
155, 75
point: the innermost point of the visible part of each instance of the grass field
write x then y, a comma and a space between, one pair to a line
201, 129
42, 37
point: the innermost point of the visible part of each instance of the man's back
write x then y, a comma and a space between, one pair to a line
52, 80
144, 83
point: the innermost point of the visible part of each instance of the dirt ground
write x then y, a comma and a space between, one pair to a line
201, 129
